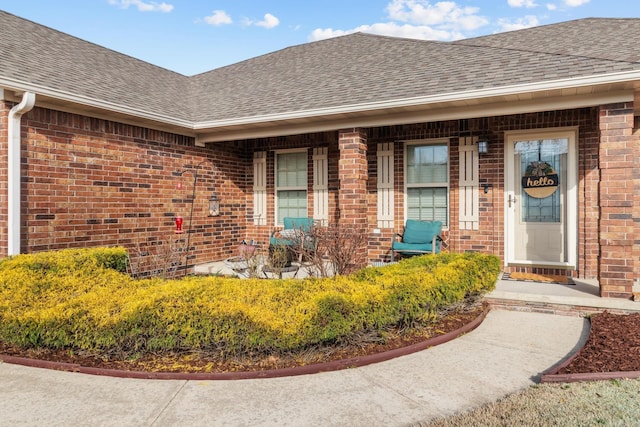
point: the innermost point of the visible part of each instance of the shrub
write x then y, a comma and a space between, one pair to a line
78, 300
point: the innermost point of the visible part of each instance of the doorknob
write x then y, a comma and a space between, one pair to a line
512, 199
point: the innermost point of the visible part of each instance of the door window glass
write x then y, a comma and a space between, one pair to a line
542, 163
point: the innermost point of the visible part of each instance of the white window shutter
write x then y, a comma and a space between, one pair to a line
469, 181
321, 185
260, 188
385, 185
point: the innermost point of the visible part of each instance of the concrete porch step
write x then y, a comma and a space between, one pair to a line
579, 299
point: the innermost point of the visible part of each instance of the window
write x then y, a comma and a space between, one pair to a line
427, 181
291, 185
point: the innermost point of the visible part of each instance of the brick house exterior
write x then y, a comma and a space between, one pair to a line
103, 164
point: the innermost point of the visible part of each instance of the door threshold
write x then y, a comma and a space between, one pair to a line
558, 266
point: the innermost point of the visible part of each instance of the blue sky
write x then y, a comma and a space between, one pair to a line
194, 36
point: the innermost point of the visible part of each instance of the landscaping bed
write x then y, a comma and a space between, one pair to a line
613, 347
79, 307
447, 321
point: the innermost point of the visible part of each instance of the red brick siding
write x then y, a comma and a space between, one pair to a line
618, 201
90, 182
352, 174
636, 202
261, 234
94, 182
490, 236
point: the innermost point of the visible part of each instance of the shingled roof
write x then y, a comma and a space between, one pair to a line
46, 60
363, 68
344, 72
601, 38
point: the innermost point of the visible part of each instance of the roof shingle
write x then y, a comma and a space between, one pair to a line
339, 72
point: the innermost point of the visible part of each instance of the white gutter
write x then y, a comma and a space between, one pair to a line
13, 171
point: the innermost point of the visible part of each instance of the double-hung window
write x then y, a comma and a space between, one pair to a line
291, 185
427, 181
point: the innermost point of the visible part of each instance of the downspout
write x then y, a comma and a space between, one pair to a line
13, 171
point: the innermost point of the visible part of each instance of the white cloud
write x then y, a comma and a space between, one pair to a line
522, 3
563, 4
420, 32
269, 21
149, 6
519, 24
418, 19
219, 17
443, 13
575, 3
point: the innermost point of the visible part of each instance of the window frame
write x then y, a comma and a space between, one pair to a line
276, 189
446, 185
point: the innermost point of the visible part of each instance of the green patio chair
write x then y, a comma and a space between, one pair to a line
419, 237
295, 235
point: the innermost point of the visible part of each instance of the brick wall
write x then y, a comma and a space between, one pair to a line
261, 234
489, 238
618, 200
94, 182
90, 182
352, 175
636, 205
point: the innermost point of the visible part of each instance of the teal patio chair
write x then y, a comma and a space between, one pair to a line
419, 237
294, 236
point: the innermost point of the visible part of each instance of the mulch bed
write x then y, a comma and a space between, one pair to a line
613, 345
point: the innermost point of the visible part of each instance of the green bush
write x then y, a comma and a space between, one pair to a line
81, 299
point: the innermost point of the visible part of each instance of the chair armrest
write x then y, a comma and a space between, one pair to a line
273, 233
442, 241
395, 235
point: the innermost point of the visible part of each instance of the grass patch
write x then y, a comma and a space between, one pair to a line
600, 403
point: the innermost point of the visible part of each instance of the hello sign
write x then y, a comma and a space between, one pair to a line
540, 180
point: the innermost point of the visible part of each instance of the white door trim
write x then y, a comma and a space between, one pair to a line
571, 226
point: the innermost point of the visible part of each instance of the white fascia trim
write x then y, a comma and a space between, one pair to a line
95, 103
425, 100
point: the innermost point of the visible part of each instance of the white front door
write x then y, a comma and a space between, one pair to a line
540, 198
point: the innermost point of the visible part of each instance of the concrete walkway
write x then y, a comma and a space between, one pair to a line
507, 353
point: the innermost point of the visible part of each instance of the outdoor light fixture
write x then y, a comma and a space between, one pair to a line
483, 146
214, 205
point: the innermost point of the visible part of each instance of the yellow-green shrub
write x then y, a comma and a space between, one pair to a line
73, 299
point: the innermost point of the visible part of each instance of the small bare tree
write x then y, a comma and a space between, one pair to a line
337, 249
156, 258
279, 258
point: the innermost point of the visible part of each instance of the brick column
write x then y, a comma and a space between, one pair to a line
617, 200
352, 176
636, 201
